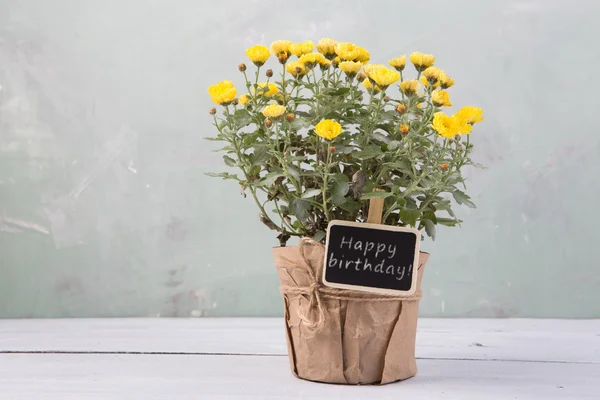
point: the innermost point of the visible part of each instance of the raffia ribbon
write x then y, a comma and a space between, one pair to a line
316, 291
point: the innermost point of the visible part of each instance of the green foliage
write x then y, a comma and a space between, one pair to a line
307, 181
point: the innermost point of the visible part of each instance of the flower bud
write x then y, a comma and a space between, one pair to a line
212, 111
404, 130
282, 57
386, 99
269, 73
235, 102
290, 117
360, 98
299, 71
444, 166
332, 149
361, 76
268, 123
242, 67
401, 109
461, 148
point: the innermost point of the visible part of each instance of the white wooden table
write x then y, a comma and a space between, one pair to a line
246, 359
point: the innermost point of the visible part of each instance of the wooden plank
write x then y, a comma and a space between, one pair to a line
483, 339
84, 376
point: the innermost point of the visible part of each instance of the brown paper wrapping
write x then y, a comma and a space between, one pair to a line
344, 336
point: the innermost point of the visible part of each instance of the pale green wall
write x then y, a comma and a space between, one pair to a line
104, 209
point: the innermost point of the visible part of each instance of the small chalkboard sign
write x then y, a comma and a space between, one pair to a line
372, 258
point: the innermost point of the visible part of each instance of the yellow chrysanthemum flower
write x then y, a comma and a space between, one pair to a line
409, 87
281, 46
267, 90
347, 51
383, 77
370, 68
433, 75
462, 125
222, 93
369, 86
350, 68
398, 63
422, 61
445, 125
328, 129
258, 54
311, 60
296, 68
446, 81
441, 98
363, 56
299, 49
244, 99
273, 111
326, 47
324, 63
426, 83
471, 114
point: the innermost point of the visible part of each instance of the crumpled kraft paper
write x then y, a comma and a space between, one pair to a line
344, 336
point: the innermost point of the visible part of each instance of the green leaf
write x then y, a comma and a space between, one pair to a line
320, 235
300, 123
338, 200
380, 137
394, 144
350, 205
402, 165
367, 154
215, 139
340, 189
376, 195
447, 221
242, 118
270, 178
293, 172
260, 156
339, 91
410, 217
429, 228
311, 193
224, 175
462, 198
230, 162
299, 208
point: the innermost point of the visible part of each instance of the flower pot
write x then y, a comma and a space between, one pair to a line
344, 336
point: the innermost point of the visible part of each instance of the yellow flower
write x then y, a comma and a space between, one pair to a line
363, 56
302, 48
267, 90
326, 47
441, 98
370, 68
296, 68
281, 46
244, 99
350, 68
409, 87
310, 60
369, 86
328, 129
426, 83
422, 61
222, 93
324, 63
433, 75
273, 111
471, 114
462, 125
445, 125
347, 51
258, 54
446, 81
383, 77
398, 63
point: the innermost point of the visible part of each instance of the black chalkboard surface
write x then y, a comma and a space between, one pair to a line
371, 257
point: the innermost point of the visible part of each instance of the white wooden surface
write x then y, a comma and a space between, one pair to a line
246, 359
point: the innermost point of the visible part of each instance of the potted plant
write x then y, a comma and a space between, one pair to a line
316, 142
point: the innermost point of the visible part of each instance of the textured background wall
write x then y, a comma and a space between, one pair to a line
105, 211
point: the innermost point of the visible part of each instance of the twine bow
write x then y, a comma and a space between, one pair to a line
316, 291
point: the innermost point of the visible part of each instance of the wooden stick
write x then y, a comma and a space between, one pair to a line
375, 209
